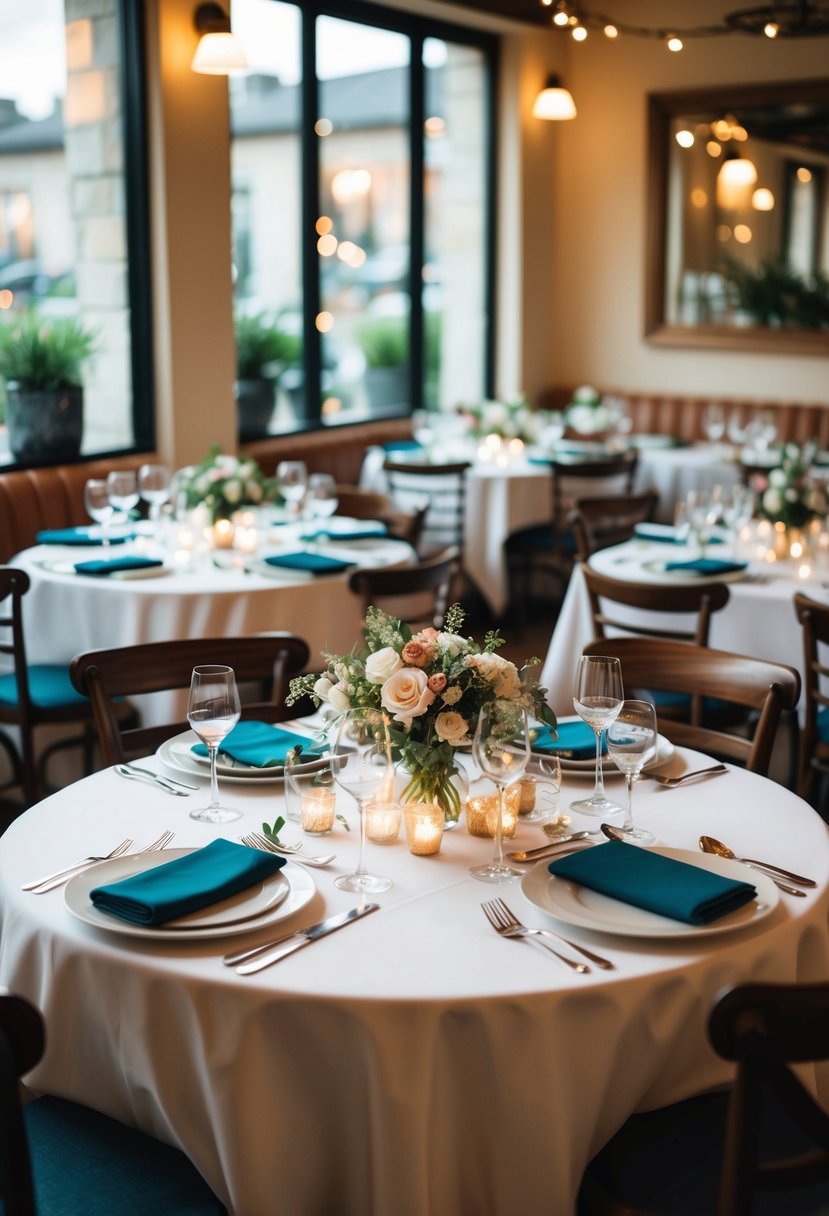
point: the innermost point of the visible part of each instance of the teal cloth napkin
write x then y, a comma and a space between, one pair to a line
666, 534
706, 565
114, 564
402, 445
187, 884
77, 536
316, 563
572, 740
369, 532
260, 744
659, 884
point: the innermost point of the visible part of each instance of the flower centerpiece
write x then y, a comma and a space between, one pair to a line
505, 420
586, 413
788, 495
226, 483
433, 685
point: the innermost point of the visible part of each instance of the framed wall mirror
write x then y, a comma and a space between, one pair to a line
738, 218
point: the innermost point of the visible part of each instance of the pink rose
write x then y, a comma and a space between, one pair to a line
415, 654
437, 682
406, 694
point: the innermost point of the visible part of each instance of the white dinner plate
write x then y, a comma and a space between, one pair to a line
264, 903
658, 569
121, 575
586, 768
577, 905
176, 753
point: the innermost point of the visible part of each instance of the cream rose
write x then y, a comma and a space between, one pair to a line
322, 688
452, 728
406, 694
338, 698
382, 664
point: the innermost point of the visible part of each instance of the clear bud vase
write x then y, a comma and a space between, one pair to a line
446, 787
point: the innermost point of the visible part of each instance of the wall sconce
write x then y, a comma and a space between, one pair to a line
735, 179
219, 52
554, 102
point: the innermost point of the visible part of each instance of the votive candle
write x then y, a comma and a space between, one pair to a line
316, 811
482, 813
383, 821
424, 828
221, 534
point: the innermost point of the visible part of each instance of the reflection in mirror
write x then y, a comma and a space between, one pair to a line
739, 231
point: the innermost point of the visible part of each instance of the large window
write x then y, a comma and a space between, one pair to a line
362, 226
72, 201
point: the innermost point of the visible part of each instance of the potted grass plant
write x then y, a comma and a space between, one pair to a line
385, 344
41, 363
263, 352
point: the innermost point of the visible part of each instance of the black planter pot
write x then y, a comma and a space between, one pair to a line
254, 407
44, 425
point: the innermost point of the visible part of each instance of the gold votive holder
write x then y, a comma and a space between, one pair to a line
482, 813
316, 811
424, 828
221, 534
526, 795
382, 821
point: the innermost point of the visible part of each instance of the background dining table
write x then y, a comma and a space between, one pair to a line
416, 1062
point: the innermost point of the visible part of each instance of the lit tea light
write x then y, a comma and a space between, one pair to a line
383, 821
316, 811
526, 795
221, 534
482, 813
424, 828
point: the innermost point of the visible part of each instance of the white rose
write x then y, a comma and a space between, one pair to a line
247, 468
338, 698
253, 491
792, 494
232, 490
772, 501
451, 644
452, 728
777, 478
382, 664
322, 688
406, 695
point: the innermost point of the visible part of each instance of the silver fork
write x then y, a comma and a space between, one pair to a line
49, 879
515, 928
493, 915
157, 845
254, 840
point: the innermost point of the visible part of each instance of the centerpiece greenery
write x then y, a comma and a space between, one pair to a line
226, 483
788, 494
433, 685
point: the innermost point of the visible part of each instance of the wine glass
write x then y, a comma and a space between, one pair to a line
423, 427
501, 749
292, 476
546, 773
213, 710
154, 486
322, 495
631, 742
122, 486
713, 422
361, 764
98, 506
597, 698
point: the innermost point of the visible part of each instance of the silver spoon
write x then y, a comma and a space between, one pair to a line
136, 768
710, 844
670, 782
123, 771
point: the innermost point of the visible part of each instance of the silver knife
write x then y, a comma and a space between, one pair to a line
549, 849
272, 952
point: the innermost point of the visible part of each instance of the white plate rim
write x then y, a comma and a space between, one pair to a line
586, 768
559, 899
656, 569
67, 568
76, 897
176, 754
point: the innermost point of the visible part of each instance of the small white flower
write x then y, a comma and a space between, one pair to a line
253, 491
452, 694
772, 501
322, 688
338, 698
777, 477
232, 490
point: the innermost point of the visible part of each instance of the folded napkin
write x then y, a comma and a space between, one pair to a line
260, 744
78, 536
114, 564
316, 563
659, 884
572, 740
369, 532
706, 565
187, 884
401, 445
666, 534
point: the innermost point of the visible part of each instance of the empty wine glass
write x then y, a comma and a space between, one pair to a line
631, 742
292, 476
501, 749
361, 764
597, 698
546, 773
122, 486
713, 421
423, 427
213, 710
154, 486
322, 495
98, 506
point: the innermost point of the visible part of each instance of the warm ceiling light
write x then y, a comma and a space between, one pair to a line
771, 29
554, 102
685, 138
219, 52
610, 31
561, 18
762, 199
579, 33
673, 43
735, 177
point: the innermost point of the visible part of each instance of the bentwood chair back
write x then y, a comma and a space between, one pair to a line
598, 523
406, 525
813, 761
58, 1158
418, 595
443, 488
266, 661
33, 695
758, 1148
765, 688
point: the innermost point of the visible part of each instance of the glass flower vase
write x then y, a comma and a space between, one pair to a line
445, 785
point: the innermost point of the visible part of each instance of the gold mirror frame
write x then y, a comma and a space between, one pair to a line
663, 109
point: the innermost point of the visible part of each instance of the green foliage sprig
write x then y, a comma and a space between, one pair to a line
45, 354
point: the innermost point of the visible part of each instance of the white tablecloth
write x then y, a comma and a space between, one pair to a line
672, 472
414, 1063
759, 618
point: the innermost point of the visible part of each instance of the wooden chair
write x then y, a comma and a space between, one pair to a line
598, 523
267, 661
549, 549
422, 589
813, 759
768, 689
58, 1158
369, 504
761, 1146
443, 488
33, 695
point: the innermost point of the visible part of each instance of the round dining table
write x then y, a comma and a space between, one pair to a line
416, 1062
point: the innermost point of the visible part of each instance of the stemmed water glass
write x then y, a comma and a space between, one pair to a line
546, 770
122, 486
213, 710
713, 422
98, 507
322, 495
597, 698
501, 749
631, 742
292, 477
154, 486
361, 764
